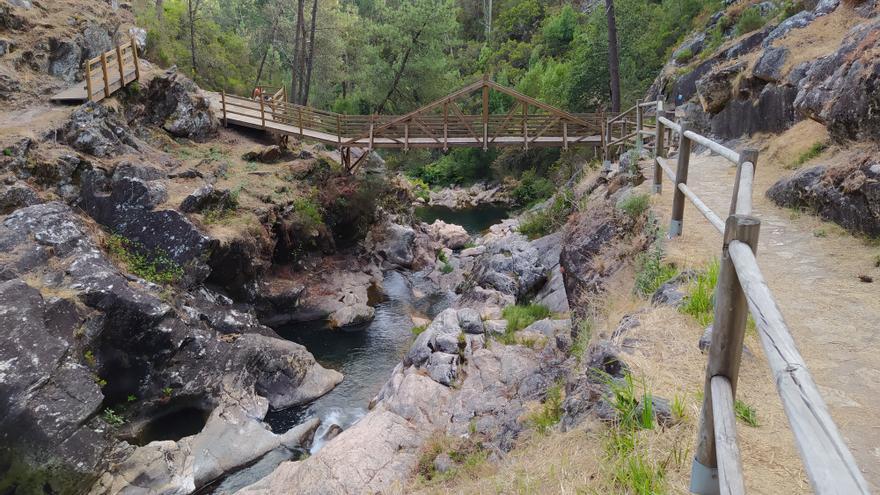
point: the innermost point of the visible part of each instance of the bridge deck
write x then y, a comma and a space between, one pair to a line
529, 123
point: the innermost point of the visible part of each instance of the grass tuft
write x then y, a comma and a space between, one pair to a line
700, 301
746, 413
652, 271
636, 205
521, 316
551, 410
814, 151
155, 266
419, 330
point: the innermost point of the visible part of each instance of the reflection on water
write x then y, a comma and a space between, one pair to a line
474, 220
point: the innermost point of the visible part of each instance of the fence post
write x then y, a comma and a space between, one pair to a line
262, 112
659, 151
638, 131
89, 79
121, 68
106, 75
747, 155
725, 351
684, 158
135, 59
223, 101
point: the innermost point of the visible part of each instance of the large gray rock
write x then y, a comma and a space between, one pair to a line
95, 130
840, 90
716, 88
848, 195
16, 196
394, 243
797, 21
770, 64
512, 266
470, 321
173, 102
442, 367
74, 317
449, 235
65, 57
351, 316
95, 41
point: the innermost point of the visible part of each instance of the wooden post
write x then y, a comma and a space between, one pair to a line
106, 75
638, 131
485, 113
406, 136
134, 56
445, 126
262, 112
684, 157
89, 79
747, 155
525, 125
725, 351
565, 135
371, 132
300, 121
121, 68
223, 104
338, 128
659, 151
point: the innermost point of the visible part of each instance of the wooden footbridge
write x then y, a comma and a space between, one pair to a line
442, 124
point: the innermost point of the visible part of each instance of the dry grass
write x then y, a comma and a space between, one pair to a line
820, 38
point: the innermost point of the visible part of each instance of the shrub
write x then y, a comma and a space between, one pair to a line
750, 20
521, 316
635, 205
419, 330
531, 189
112, 418
549, 219
420, 188
700, 301
684, 56
154, 266
447, 268
652, 271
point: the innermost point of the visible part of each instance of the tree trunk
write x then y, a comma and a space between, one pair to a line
160, 10
399, 73
193, 6
294, 66
268, 46
613, 57
311, 59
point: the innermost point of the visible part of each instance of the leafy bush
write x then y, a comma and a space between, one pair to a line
154, 266
700, 301
559, 29
531, 189
112, 418
750, 20
549, 219
636, 205
684, 56
420, 188
652, 271
521, 316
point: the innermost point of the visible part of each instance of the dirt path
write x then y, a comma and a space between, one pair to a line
813, 268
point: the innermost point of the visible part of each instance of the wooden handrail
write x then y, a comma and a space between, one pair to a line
741, 288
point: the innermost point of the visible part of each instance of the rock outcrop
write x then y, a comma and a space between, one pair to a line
174, 103
848, 195
92, 337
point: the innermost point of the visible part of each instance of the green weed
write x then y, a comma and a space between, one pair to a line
700, 301
521, 316
551, 410
652, 271
636, 205
582, 341
154, 266
550, 219
419, 330
684, 56
750, 20
447, 268
746, 413
167, 391
814, 151
679, 411
112, 418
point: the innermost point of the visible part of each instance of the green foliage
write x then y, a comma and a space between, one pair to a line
550, 219
550, 412
750, 20
154, 266
684, 56
814, 151
7, 151
131, 398
459, 166
559, 29
308, 211
635, 205
419, 330
112, 418
746, 413
531, 189
447, 268
678, 409
441, 256
521, 316
89, 357
167, 391
652, 271
700, 301
420, 188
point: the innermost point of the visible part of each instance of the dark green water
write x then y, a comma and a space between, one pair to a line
474, 220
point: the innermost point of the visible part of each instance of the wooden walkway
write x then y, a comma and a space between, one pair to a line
104, 75
441, 124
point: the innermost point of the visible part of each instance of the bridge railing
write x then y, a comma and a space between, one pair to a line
102, 71
717, 466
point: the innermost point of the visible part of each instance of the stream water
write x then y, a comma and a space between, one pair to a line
366, 356
474, 220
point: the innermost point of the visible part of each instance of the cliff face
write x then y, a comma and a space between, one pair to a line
818, 63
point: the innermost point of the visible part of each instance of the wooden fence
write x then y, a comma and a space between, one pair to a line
112, 71
717, 468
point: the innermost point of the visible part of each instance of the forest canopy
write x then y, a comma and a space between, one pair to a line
392, 56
